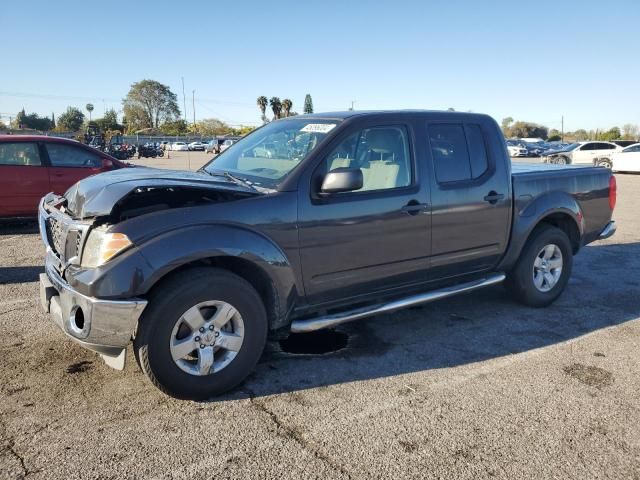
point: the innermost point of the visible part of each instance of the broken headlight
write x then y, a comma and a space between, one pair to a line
102, 247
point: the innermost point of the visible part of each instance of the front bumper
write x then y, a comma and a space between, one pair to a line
104, 326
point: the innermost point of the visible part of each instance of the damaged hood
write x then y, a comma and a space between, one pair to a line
97, 195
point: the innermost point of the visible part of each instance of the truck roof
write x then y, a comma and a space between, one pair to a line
342, 115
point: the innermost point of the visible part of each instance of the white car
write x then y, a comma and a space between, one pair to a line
585, 153
193, 146
226, 144
515, 151
179, 146
627, 160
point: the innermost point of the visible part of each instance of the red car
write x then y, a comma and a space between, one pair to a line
33, 165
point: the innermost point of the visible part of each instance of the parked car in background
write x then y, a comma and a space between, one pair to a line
179, 146
196, 146
212, 147
226, 144
585, 153
626, 160
33, 165
515, 150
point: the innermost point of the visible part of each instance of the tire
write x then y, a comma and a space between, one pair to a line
521, 281
603, 162
562, 160
163, 328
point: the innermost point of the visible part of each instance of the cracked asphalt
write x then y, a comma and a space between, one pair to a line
471, 387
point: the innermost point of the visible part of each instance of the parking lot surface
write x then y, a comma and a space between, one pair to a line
475, 386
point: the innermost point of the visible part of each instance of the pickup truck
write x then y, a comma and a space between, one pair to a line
353, 214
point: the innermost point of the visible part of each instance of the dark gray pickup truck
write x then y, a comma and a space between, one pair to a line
306, 223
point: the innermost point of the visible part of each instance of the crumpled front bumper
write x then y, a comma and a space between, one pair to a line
104, 326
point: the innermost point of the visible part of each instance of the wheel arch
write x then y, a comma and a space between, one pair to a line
558, 209
246, 253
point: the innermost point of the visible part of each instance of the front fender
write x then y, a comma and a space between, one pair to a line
134, 273
528, 213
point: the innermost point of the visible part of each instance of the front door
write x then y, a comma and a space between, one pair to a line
372, 239
23, 179
471, 198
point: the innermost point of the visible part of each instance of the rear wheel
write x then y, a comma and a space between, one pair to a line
202, 333
543, 269
603, 162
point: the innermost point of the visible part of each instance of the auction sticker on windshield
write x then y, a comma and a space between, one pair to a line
318, 127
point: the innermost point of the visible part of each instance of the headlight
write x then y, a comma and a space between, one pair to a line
102, 247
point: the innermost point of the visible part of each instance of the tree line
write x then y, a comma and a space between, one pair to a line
521, 129
149, 107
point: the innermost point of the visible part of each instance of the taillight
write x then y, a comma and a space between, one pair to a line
613, 192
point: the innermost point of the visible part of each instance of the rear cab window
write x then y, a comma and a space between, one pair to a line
23, 154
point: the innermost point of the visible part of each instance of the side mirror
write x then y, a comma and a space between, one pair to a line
342, 180
106, 163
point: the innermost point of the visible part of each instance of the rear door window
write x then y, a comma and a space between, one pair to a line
62, 155
450, 153
477, 150
606, 146
20, 154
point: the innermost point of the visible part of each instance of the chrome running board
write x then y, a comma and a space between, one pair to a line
326, 321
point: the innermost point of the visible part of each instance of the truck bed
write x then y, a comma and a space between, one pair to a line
588, 186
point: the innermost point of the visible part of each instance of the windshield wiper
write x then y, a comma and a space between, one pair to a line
239, 181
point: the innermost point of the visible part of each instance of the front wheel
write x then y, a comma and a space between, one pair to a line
202, 333
543, 269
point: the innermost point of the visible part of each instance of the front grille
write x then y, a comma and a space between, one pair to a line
56, 235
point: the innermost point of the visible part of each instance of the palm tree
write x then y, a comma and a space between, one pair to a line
286, 107
262, 104
276, 107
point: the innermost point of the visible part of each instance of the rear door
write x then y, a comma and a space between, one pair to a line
471, 196
70, 163
23, 179
604, 150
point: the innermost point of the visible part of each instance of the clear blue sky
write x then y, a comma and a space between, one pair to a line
530, 60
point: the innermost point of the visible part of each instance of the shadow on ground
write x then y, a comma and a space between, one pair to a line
18, 226
10, 275
465, 329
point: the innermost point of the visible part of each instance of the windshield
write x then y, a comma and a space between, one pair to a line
268, 154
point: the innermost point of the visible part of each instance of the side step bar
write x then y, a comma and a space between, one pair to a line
326, 321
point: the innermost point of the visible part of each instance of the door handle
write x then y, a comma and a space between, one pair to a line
493, 197
413, 207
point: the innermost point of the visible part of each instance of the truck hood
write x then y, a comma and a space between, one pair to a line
98, 195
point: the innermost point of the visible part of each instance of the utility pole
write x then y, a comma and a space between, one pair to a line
352, 102
562, 130
193, 100
184, 102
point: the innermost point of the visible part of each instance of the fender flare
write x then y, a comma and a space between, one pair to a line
134, 273
528, 217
